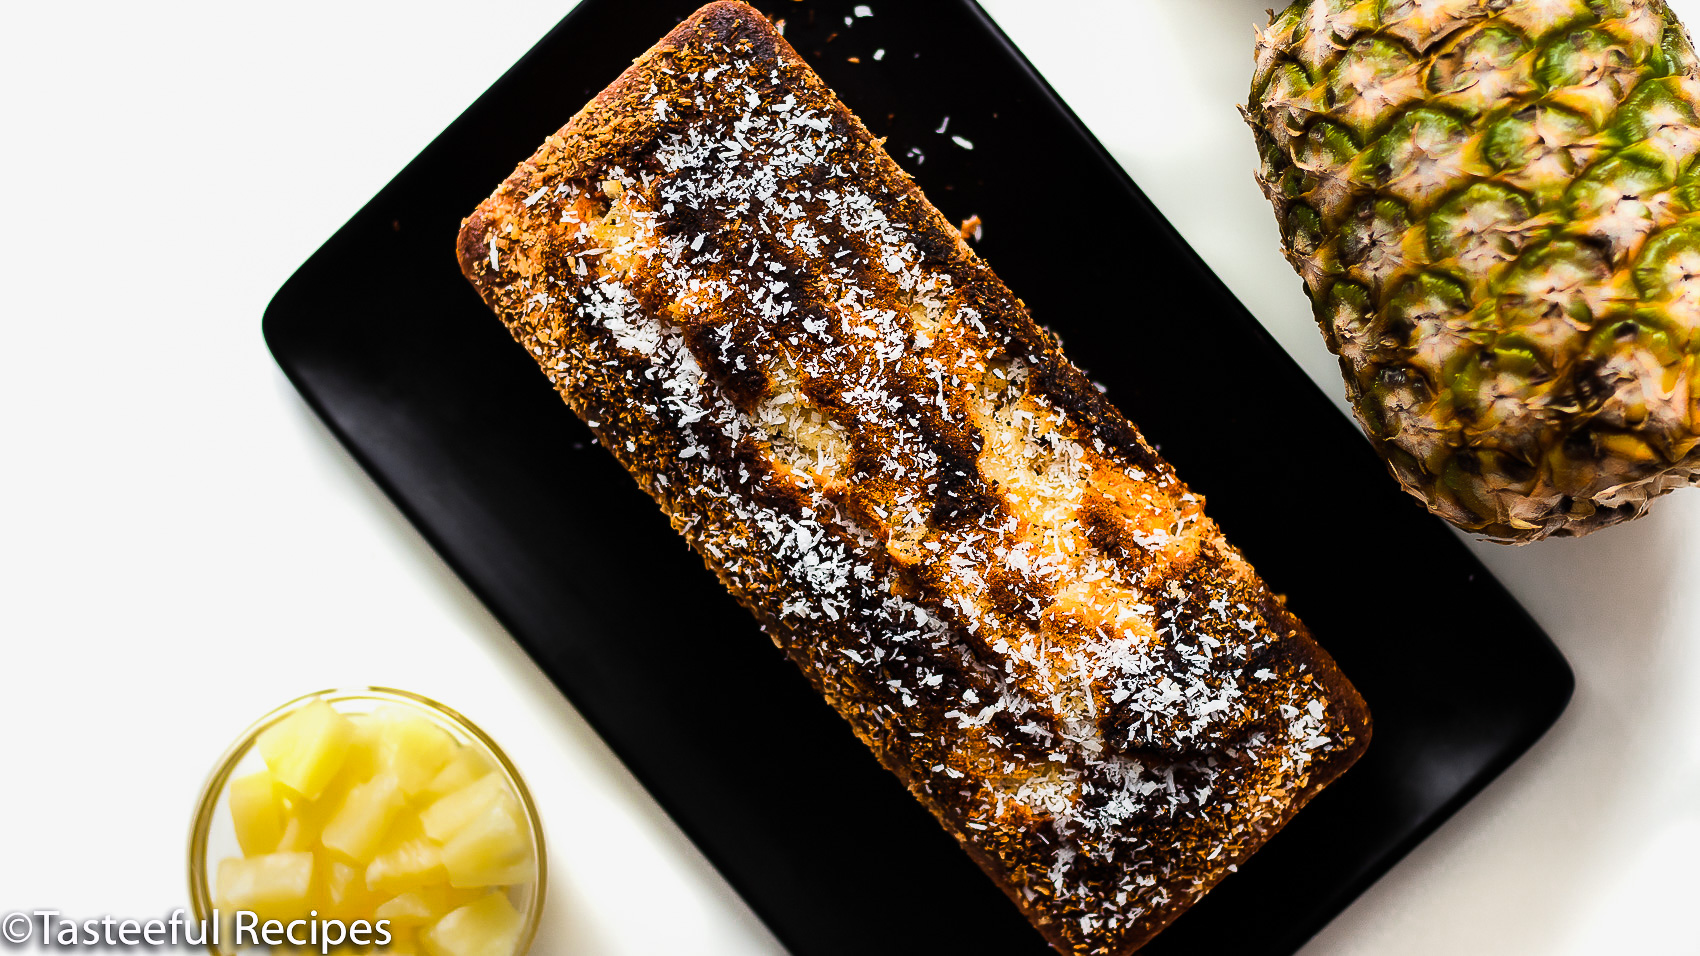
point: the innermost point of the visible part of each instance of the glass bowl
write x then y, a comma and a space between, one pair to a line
213, 837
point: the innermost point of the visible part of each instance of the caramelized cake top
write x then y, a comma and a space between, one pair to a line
974, 556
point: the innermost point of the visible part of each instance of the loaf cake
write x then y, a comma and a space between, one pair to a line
966, 549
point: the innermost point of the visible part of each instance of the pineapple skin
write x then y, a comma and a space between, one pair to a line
1494, 206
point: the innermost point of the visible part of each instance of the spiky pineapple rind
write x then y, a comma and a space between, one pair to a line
1494, 206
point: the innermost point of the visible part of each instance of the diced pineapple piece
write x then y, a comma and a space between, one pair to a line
297, 836
488, 927
257, 811
404, 941
359, 826
408, 909
411, 747
424, 905
360, 764
408, 861
305, 750
494, 849
273, 885
362, 761
446, 817
465, 765
342, 892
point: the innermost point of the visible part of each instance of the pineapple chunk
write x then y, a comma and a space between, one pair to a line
488, 927
494, 849
257, 811
342, 893
467, 765
424, 905
273, 885
359, 764
297, 836
411, 861
446, 817
305, 750
408, 909
411, 747
404, 941
361, 823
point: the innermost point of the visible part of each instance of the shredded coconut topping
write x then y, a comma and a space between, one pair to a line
1006, 592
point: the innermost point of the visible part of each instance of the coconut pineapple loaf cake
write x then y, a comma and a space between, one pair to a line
1495, 209
970, 554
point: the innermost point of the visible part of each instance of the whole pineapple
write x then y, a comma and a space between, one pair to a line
1495, 209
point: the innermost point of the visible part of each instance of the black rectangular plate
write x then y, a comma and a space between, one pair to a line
408, 368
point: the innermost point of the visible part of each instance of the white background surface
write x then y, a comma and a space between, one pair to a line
182, 546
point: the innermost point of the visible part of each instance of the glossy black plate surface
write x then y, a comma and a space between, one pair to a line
394, 350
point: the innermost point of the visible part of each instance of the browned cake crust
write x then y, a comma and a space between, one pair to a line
974, 557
